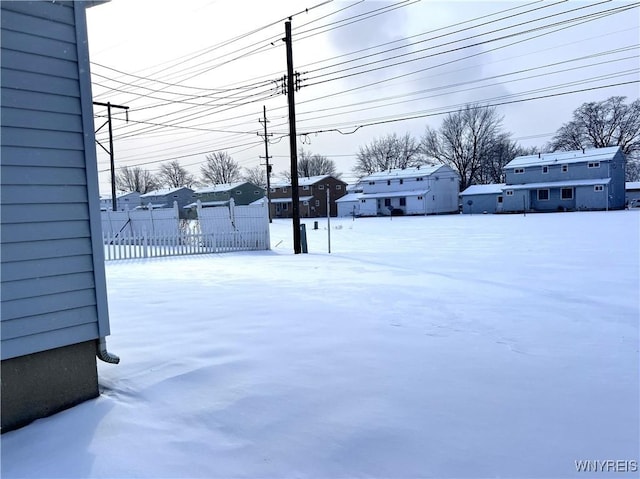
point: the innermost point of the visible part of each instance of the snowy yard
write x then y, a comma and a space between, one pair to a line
454, 346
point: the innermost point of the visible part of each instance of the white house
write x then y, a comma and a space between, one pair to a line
420, 190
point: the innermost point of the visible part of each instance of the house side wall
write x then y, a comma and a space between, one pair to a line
616, 172
481, 203
443, 194
50, 269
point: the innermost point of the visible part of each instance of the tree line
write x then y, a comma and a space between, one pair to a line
472, 141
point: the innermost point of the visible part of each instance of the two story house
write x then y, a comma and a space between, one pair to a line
124, 201
242, 192
312, 193
590, 179
419, 190
164, 198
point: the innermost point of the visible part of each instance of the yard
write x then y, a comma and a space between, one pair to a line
449, 346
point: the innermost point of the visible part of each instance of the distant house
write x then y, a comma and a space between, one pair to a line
591, 179
632, 192
243, 193
52, 282
483, 198
164, 198
419, 190
124, 201
312, 193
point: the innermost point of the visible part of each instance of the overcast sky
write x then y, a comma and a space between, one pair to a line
196, 74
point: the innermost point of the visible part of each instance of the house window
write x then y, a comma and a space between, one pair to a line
238, 192
565, 168
321, 187
509, 192
420, 178
305, 188
543, 195
363, 201
388, 182
419, 197
499, 200
518, 171
545, 169
387, 201
593, 164
284, 189
338, 187
403, 202
598, 188
401, 181
285, 206
256, 192
372, 182
175, 196
566, 193
317, 202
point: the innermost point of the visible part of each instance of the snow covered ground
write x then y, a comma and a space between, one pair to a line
453, 346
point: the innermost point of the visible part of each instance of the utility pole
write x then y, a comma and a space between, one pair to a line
109, 105
295, 196
266, 157
328, 189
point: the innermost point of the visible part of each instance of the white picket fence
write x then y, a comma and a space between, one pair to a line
217, 230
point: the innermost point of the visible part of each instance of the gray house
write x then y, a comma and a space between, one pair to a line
590, 179
632, 192
242, 192
52, 282
483, 198
164, 198
124, 201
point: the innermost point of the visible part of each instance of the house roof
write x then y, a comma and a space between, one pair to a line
412, 172
288, 200
559, 184
492, 189
632, 185
393, 194
564, 157
161, 192
306, 181
349, 197
222, 187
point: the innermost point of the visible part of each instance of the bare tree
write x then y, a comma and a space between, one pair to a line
256, 175
136, 179
173, 175
220, 168
389, 152
502, 151
600, 124
465, 140
310, 164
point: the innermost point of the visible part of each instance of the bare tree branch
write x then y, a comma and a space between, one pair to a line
220, 168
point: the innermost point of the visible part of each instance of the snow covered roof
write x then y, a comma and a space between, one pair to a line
492, 189
632, 185
161, 192
393, 194
288, 200
220, 187
349, 197
416, 171
303, 181
563, 157
559, 184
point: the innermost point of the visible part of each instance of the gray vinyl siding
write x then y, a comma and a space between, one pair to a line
52, 282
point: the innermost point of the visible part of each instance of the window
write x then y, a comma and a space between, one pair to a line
284, 189
305, 188
543, 195
256, 192
372, 182
509, 192
317, 202
363, 201
420, 178
566, 193
387, 201
598, 188
403, 202
565, 168
338, 187
500, 199
401, 181
175, 196
238, 192
321, 187
545, 169
388, 182
419, 197
285, 206
518, 171
593, 164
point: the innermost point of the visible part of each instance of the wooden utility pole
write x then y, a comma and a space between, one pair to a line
109, 105
266, 158
295, 196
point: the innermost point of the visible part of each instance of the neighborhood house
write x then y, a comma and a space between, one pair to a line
591, 179
164, 198
312, 192
420, 190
